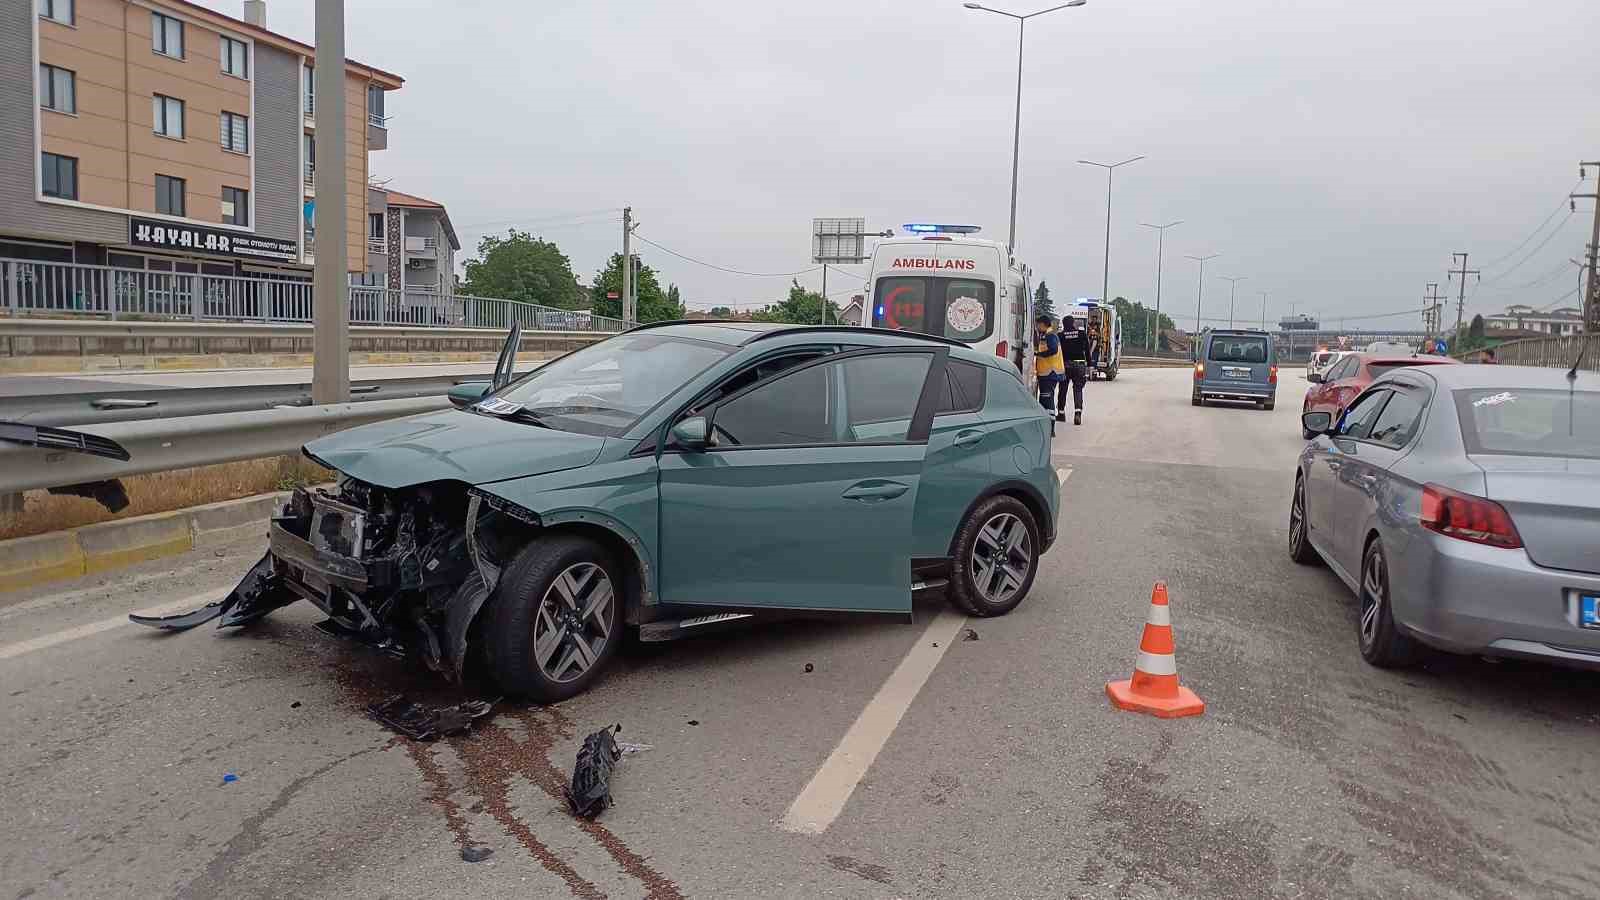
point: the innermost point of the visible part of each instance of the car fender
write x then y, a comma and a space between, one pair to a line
1035, 500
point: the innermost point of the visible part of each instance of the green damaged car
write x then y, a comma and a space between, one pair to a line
674, 479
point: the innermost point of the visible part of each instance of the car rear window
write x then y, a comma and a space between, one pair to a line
1239, 348
1518, 422
1387, 365
960, 308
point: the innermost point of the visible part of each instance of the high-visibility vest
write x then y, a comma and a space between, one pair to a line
1046, 362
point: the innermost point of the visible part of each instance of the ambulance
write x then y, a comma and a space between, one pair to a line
940, 279
1105, 328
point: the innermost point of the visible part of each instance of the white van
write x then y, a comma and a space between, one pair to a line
941, 280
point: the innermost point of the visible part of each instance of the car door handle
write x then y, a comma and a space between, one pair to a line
1368, 480
874, 491
1334, 465
967, 438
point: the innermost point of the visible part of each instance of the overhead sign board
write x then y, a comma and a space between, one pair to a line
163, 235
838, 240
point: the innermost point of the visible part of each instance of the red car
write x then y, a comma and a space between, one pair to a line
1332, 391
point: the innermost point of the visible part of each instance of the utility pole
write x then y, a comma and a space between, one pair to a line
1161, 243
1200, 287
1233, 284
628, 311
1461, 297
1263, 310
1591, 298
330, 315
1430, 310
825, 293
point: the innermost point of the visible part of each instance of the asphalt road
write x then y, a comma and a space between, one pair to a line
1009, 775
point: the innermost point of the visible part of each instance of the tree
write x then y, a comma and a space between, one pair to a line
1136, 318
801, 307
722, 312
1041, 301
1472, 338
654, 304
674, 299
522, 267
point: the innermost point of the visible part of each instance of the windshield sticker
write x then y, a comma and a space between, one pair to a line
1495, 399
965, 314
495, 406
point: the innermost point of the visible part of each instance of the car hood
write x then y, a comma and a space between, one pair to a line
452, 445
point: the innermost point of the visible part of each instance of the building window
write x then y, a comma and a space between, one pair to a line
58, 89
308, 147
375, 226
235, 57
166, 35
309, 74
235, 132
235, 206
375, 105
167, 115
60, 176
58, 10
169, 195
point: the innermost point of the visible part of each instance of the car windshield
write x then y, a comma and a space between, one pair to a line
1239, 348
604, 388
1518, 422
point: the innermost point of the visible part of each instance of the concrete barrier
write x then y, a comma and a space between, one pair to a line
63, 555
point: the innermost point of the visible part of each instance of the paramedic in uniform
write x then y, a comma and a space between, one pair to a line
1073, 344
1048, 365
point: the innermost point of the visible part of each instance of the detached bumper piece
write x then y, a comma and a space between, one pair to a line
261, 592
427, 723
590, 793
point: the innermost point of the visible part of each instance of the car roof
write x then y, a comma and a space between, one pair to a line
740, 334
1236, 331
1414, 359
1524, 377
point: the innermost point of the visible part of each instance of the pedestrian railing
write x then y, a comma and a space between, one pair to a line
29, 287
1551, 352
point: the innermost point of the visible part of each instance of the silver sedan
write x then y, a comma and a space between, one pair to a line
1462, 505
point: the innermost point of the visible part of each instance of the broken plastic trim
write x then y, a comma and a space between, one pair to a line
109, 493
505, 507
590, 793
426, 723
62, 439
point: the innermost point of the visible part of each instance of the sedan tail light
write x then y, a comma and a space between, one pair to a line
1468, 518
1199, 371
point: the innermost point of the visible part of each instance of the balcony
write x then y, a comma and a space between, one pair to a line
377, 245
311, 177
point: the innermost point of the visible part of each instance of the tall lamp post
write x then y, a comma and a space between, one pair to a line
1161, 243
1016, 132
1105, 278
1233, 284
1263, 310
1200, 289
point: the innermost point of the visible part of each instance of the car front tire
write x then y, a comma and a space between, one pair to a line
555, 620
996, 558
1381, 642
1300, 549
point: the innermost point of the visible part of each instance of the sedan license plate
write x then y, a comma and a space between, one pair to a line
1589, 611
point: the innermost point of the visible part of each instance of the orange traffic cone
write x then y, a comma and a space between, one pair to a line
1154, 687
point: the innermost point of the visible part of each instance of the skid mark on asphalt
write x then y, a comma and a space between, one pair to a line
869, 871
1142, 824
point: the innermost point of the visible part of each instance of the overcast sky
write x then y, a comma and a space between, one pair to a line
1334, 153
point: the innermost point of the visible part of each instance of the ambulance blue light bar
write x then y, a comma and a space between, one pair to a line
929, 228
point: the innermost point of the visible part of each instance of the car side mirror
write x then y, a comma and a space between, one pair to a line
1314, 377
692, 434
467, 393
1317, 422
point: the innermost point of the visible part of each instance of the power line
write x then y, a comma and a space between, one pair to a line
701, 262
1555, 301
552, 217
1564, 201
1535, 251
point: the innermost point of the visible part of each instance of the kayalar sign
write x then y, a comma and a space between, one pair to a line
174, 236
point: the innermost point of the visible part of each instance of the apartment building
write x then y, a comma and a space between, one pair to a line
164, 136
411, 243
1521, 317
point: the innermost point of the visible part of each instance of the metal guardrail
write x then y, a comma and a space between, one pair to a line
161, 445
29, 287
1549, 352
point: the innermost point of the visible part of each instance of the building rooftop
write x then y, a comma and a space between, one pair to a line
389, 80
412, 201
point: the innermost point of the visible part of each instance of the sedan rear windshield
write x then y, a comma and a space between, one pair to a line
1239, 349
1519, 422
1386, 365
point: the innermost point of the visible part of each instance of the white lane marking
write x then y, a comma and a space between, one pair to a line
830, 788
43, 642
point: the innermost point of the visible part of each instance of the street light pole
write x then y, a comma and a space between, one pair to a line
1200, 286
1016, 130
1161, 243
330, 310
1105, 279
1233, 281
1263, 310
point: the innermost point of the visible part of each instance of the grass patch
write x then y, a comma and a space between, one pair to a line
158, 492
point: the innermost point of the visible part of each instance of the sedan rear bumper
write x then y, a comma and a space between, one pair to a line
1469, 598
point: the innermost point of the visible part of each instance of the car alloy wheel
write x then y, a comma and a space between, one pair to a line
575, 620
1001, 558
1380, 640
